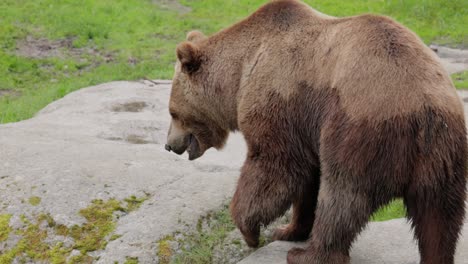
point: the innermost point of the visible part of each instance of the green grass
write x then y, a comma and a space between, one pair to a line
136, 38
396, 209
198, 247
461, 80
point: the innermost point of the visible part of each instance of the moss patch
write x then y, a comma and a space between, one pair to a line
130, 260
83, 258
134, 203
34, 200
115, 237
93, 235
32, 245
165, 250
5, 228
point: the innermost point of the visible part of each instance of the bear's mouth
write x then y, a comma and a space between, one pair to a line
193, 148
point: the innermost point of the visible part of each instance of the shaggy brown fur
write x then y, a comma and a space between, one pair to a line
340, 115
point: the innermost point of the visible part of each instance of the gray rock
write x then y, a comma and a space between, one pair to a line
104, 142
454, 60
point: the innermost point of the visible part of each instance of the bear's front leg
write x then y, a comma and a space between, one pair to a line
262, 195
303, 215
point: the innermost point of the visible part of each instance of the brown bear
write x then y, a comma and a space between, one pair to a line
340, 116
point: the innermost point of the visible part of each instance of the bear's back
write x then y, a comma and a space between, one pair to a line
383, 70
379, 68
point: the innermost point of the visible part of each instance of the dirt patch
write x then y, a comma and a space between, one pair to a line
173, 5
164, 36
9, 93
42, 48
133, 107
135, 139
132, 139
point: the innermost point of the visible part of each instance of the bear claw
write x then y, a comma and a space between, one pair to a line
294, 255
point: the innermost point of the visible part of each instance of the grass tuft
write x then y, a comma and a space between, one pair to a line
460, 80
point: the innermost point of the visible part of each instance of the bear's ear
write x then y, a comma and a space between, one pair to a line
189, 56
195, 36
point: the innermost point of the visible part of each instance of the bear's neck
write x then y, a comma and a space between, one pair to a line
227, 73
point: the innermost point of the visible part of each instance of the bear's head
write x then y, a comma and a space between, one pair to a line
194, 126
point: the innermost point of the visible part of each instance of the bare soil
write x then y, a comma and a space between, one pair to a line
9, 92
130, 107
173, 5
42, 48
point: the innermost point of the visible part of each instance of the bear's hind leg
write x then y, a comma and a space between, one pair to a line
342, 212
437, 218
435, 199
303, 214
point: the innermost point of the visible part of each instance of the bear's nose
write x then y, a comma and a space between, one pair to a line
168, 148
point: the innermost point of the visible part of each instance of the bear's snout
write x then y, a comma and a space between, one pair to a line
178, 147
168, 147
188, 143
178, 139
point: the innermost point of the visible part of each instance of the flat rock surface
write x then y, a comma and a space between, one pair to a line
454, 60
104, 142
107, 141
